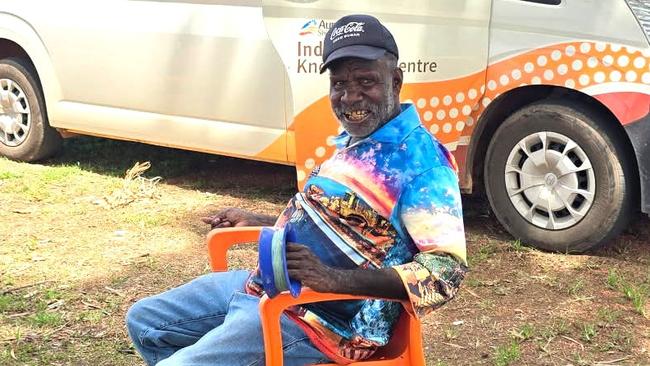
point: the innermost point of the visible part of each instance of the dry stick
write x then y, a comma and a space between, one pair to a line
574, 341
114, 291
471, 292
93, 306
545, 348
610, 362
54, 331
4, 292
454, 345
19, 315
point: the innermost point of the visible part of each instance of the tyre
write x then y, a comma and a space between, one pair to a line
558, 178
25, 133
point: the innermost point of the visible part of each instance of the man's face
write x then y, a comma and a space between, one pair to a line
362, 94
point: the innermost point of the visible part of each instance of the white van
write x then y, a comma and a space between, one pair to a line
544, 103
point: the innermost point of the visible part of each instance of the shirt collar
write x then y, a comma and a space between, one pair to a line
393, 131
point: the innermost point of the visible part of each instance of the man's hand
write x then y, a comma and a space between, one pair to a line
304, 266
235, 217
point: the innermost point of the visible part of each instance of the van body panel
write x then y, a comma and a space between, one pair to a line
208, 61
19, 31
639, 131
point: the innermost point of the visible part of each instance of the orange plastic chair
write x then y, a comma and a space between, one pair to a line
405, 347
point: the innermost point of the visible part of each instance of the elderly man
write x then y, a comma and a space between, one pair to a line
382, 217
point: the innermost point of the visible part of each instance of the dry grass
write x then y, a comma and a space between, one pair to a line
70, 267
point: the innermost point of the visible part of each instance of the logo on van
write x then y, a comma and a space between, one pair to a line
311, 27
316, 27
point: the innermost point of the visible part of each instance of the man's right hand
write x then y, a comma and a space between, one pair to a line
235, 217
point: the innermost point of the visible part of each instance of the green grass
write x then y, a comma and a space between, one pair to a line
38, 183
576, 287
451, 332
486, 304
5, 175
91, 316
636, 294
588, 331
10, 303
557, 328
472, 282
518, 246
507, 354
579, 360
613, 279
523, 332
608, 315
485, 251
51, 294
145, 220
618, 340
60, 173
45, 318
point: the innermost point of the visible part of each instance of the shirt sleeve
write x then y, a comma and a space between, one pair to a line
430, 211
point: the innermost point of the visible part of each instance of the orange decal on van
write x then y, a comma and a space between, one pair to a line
451, 108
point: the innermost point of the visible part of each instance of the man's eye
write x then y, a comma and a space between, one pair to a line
367, 82
338, 84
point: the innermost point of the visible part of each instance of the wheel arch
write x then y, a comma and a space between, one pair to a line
509, 102
19, 39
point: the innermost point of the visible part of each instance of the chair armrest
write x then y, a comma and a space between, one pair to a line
221, 239
271, 310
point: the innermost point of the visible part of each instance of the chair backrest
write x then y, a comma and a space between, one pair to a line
404, 348
399, 341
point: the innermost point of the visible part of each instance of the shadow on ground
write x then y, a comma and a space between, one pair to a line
186, 169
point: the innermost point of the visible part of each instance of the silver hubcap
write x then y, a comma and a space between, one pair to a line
550, 180
15, 117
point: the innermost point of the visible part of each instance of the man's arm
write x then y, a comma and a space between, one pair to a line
304, 266
236, 217
431, 213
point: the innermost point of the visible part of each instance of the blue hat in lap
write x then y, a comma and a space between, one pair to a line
273, 261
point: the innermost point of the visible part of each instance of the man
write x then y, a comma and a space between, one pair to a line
382, 218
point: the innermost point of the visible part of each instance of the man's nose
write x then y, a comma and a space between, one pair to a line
351, 95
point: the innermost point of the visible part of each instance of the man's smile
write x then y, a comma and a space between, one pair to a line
357, 116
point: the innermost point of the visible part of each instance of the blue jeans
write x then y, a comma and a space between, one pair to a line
211, 321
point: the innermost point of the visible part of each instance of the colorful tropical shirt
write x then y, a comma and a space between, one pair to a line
389, 200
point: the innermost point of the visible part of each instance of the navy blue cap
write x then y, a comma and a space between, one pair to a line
360, 36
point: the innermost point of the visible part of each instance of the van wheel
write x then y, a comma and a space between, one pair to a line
25, 133
558, 177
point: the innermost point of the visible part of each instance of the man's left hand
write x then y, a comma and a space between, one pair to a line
304, 266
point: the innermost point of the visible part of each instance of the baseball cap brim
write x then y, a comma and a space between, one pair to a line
356, 51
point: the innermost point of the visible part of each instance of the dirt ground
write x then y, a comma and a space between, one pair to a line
79, 244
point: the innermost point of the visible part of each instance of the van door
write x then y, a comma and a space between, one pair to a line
197, 74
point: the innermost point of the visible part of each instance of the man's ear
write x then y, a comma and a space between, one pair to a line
398, 77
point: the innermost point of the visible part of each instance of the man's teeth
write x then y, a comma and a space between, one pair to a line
356, 115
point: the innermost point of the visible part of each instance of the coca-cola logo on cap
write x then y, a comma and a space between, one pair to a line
347, 30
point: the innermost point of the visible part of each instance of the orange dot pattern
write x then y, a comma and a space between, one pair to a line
451, 108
